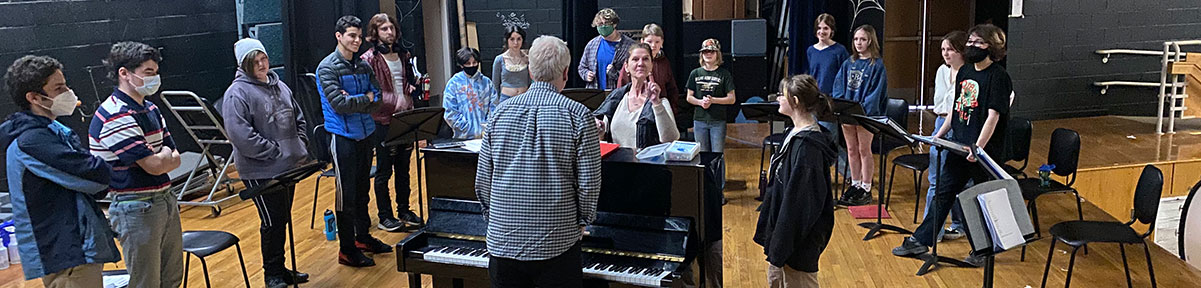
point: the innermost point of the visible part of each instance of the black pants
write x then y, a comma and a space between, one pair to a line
561, 271
275, 209
352, 163
388, 159
954, 176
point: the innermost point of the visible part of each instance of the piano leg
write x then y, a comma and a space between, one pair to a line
414, 280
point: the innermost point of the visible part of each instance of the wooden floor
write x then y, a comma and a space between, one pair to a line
847, 262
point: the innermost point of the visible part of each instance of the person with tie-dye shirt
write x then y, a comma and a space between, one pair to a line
469, 97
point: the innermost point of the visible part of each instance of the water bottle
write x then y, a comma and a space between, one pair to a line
3, 258
13, 256
331, 226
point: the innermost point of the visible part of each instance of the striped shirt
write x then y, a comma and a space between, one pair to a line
539, 174
122, 132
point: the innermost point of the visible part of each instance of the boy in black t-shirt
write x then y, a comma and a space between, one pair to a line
979, 117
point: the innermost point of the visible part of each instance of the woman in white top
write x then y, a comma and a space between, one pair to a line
635, 114
944, 98
510, 70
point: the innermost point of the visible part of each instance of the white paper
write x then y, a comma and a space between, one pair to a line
116, 281
992, 166
473, 145
1002, 227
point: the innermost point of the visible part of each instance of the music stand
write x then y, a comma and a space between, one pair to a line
975, 220
409, 127
883, 128
285, 179
591, 98
932, 259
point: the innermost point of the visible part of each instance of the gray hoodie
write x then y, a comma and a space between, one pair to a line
265, 125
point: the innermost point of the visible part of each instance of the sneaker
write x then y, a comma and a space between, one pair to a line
857, 197
297, 277
411, 219
390, 225
372, 245
951, 234
975, 261
910, 247
354, 258
274, 281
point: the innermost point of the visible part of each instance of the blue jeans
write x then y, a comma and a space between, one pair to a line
147, 226
936, 164
711, 135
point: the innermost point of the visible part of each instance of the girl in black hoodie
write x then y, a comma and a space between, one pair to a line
797, 215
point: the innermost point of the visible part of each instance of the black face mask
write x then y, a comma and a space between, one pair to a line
387, 48
975, 54
471, 70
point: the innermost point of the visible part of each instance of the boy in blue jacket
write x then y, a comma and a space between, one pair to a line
348, 96
62, 234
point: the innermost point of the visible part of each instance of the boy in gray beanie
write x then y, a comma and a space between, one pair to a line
267, 130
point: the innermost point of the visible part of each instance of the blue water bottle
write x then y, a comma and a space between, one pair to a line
331, 226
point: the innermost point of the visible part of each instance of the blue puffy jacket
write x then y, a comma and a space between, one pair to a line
347, 114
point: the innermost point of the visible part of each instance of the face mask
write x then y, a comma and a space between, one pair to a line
63, 104
604, 30
149, 84
471, 70
975, 54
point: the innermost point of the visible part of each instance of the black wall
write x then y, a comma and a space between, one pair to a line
196, 38
1052, 62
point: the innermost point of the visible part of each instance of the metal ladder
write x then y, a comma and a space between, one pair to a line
1172, 86
204, 127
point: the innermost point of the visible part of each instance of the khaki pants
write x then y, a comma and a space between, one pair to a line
786, 277
86, 275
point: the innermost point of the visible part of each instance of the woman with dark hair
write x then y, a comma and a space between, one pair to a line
652, 35
981, 108
635, 112
797, 216
511, 69
468, 97
826, 56
944, 90
862, 80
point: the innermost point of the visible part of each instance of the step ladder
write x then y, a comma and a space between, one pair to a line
205, 127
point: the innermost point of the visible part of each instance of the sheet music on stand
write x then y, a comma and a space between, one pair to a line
991, 166
892, 124
998, 215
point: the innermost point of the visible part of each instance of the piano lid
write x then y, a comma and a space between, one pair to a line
621, 155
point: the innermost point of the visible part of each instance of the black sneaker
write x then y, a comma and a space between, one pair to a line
390, 225
975, 261
951, 234
354, 258
910, 247
411, 219
273, 281
372, 245
297, 277
855, 197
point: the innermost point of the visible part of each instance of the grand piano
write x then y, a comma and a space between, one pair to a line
653, 218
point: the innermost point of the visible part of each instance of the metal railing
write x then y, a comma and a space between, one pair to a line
1176, 83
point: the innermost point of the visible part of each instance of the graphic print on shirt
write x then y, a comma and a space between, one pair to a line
472, 97
707, 84
855, 79
966, 103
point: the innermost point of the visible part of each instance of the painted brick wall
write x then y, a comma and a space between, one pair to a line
1053, 64
196, 38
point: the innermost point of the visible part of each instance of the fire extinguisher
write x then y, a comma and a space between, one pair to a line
425, 86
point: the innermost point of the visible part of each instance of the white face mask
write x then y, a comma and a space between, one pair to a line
149, 84
63, 104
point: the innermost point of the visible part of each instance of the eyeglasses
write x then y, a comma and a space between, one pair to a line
977, 42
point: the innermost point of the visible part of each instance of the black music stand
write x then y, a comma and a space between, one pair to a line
932, 259
885, 129
591, 98
285, 179
412, 126
764, 112
975, 221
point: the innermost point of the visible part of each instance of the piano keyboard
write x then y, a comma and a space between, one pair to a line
642, 276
